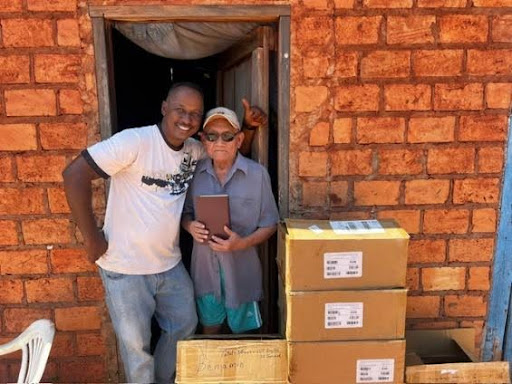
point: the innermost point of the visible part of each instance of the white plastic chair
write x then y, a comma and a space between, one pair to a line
35, 343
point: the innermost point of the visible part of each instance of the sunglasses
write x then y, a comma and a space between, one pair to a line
225, 136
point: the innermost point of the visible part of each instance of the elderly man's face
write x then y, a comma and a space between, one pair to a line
214, 137
182, 114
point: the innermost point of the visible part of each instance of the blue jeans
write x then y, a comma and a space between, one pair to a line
132, 301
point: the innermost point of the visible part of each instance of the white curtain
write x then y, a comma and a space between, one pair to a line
185, 40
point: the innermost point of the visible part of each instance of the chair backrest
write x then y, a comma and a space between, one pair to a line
35, 343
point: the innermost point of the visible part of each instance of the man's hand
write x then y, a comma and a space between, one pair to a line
253, 116
198, 231
233, 243
96, 247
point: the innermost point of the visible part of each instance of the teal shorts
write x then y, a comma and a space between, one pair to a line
213, 312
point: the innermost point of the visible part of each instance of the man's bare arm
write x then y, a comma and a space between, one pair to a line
78, 176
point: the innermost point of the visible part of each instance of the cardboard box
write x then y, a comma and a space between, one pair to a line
314, 256
447, 356
346, 362
345, 315
232, 361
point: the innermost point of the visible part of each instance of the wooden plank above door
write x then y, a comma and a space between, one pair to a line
253, 13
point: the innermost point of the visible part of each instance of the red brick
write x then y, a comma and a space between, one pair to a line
49, 290
427, 251
357, 98
40, 168
492, 3
14, 201
11, 291
422, 306
18, 137
71, 261
11, 5
351, 162
380, 130
90, 344
465, 306
6, 171
445, 62
82, 371
432, 325
484, 220
70, 102
57, 200
446, 221
412, 279
56, 68
319, 135
407, 97
30, 102
400, 162
410, 29
357, 30
387, 3
490, 160
376, 192
344, 3
443, 278
450, 160
8, 232
312, 164
314, 194
339, 193
27, 33
502, 29
77, 318
386, 64
46, 231
309, 99
479, 278
463, 29
345, 65
23, 262
316, 4
498, 95
407, 219
63, 135
441, 3
457, 96
90, 289
493, 62
476, 191
342, 131
16, 320
478, 326
63, 345
52, 5
352, 215
431, 129
315, 63
483, 128
470, 250
316, 31
431, 191
68, 33
14, 69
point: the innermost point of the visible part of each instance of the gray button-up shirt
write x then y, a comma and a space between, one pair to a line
251, 206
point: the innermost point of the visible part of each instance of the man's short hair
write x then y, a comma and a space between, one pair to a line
185, 84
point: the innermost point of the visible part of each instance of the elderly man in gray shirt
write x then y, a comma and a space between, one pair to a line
227, 272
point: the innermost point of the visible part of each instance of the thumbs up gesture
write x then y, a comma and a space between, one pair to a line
253, 115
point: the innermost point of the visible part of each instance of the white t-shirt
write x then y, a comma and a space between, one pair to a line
149, 181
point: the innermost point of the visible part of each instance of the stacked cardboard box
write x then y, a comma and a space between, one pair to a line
343, 300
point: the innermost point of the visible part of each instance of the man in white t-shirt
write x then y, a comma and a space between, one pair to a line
138, 249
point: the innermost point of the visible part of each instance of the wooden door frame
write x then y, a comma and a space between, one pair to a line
102, 17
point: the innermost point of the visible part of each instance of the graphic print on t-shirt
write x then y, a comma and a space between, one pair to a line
176, 183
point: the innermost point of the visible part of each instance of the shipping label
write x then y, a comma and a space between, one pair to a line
341, 265
343, 315
356, 227
376, 371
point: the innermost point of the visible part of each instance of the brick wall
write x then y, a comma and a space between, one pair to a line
399, 109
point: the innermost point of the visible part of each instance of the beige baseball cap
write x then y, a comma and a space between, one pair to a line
224, 113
